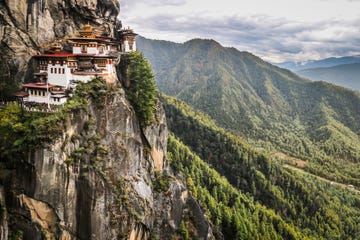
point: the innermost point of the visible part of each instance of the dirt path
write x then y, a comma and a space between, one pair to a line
298, 165
302, 171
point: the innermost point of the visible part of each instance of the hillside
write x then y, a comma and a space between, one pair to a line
347, 75
272, 108
269, 201
322, 63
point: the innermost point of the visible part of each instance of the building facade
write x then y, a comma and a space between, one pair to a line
91, 56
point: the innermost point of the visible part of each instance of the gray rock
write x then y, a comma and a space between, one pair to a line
105, 190
28, 26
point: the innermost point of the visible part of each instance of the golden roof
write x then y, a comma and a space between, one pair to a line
87, 31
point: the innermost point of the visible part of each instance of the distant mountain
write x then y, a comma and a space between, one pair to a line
347, 75
323, 63
271, 107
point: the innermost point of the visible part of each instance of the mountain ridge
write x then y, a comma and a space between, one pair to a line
271, 107
326, 62
346, 75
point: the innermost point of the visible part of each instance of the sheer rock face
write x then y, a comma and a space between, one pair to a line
28, 25
156, 135
97, 180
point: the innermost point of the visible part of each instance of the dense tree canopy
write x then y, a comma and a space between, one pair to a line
141, 90
318, 208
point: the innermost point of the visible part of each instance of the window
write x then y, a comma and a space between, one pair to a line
83, 48
32, 92
63, 71
55, 70
101, 50
51, 70
101, 63
43, 94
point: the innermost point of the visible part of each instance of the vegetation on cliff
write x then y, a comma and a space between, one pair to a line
84, 158
318, 209
141, 89
22, 131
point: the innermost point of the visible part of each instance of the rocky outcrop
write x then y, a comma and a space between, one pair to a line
26, 26
99, 180
104, 177
156, 136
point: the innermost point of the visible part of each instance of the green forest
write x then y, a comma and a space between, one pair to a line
271, 108
309, 207
139, 82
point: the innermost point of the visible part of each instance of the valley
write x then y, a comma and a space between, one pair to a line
105, 134
302, 200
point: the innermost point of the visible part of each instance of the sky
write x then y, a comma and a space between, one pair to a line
276, 30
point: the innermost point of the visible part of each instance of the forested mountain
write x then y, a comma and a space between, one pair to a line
270, 107
347, 75
263, 200
323, 63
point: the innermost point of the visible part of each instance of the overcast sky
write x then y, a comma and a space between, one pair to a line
276, 30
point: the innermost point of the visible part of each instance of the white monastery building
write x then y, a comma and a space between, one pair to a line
91, 56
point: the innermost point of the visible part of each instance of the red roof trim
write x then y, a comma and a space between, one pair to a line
21, 94
96, 39
84, 55
57, 54
58, 92
37, 85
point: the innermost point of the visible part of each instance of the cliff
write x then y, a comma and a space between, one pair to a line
98, 175
26, 26
102, 177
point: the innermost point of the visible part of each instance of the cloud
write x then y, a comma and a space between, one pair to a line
310, 34
260, 34
128, 4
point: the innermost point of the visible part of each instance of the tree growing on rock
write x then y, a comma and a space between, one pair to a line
141, 88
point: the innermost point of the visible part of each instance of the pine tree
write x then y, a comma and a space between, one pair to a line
142, 90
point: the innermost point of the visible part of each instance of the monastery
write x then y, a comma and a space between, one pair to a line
91, 56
